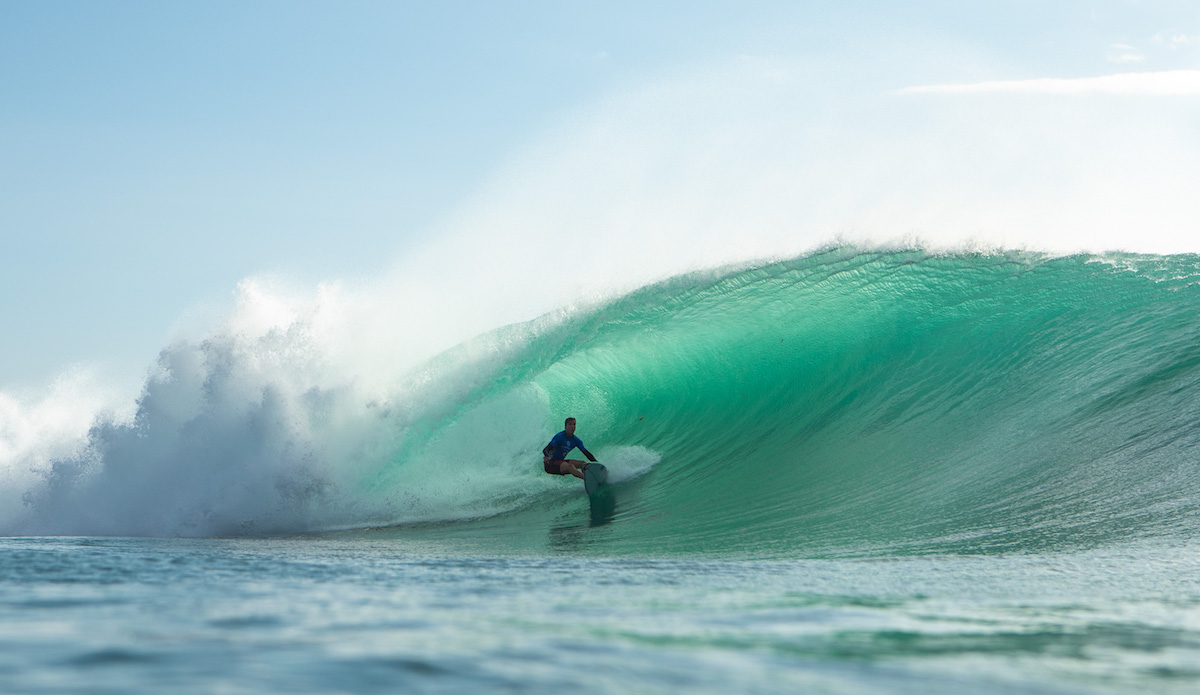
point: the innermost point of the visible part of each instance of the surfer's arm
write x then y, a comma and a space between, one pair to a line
588, 454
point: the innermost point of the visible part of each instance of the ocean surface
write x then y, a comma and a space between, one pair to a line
849, 472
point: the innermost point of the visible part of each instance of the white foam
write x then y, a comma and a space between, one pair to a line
627, 462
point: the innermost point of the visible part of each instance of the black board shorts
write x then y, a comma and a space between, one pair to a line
553, 467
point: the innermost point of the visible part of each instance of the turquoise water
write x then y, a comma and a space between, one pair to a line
846, 472
376, 612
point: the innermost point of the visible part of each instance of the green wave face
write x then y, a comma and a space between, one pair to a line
859, 403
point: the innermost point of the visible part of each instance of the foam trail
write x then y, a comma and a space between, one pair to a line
628, 462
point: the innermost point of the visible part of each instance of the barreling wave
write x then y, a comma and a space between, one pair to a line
843, 402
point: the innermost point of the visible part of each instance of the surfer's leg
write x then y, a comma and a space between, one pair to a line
571, 466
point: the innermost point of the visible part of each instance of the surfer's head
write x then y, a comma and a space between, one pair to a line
569, 426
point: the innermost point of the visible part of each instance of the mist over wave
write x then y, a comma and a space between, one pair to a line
273, 424
424, 394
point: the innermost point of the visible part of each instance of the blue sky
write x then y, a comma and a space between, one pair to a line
153, 155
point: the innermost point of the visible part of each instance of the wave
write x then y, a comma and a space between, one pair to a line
845, 401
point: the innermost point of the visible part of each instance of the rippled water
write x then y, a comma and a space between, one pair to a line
370, 612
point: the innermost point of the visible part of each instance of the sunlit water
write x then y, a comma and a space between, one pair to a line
373, 613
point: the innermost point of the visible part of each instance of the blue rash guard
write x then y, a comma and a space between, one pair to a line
560, 445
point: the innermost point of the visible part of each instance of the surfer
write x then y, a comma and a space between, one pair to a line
554, 455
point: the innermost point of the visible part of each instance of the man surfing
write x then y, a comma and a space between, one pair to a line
554, 456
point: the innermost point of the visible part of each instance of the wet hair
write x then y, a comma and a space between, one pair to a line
570, 419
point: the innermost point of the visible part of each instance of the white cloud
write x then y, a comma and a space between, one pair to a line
1124, 53
1173, 40
1167, 83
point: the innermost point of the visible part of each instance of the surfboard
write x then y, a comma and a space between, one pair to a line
595, 476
